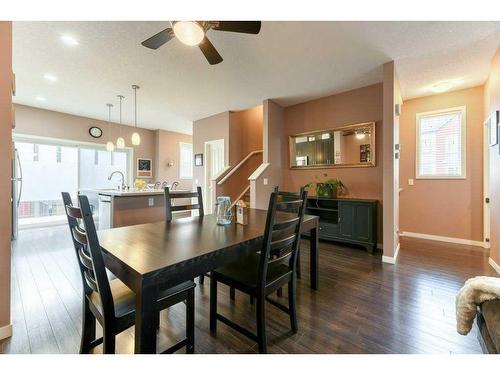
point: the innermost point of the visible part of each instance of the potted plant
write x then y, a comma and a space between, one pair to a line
328, 188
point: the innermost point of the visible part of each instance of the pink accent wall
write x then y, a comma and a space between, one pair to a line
492, 103
449, 208
5, 168
351, 107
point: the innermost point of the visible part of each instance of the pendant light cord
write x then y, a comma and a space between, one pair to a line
135, 87
121, 98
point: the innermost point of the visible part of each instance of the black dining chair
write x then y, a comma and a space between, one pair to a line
170, 208
111, 302
261, 274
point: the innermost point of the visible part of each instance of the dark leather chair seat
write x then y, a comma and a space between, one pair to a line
245, 271
490, 311
124, 298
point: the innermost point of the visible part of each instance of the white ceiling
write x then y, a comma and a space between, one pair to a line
290, 62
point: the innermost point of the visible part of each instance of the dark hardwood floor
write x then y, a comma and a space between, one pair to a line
362, 306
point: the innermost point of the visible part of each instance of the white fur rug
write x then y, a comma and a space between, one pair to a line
474, 292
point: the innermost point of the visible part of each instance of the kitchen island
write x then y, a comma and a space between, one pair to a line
119, 208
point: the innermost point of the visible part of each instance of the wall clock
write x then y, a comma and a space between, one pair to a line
95, 132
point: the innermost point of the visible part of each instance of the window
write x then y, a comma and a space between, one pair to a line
441, 144
186, 161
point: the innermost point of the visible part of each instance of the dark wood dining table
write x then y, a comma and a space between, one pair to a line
154, 256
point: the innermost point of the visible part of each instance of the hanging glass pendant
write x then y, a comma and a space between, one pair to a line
136, 138
109, 145
120, 142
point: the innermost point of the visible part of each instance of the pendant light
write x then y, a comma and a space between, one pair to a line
120, 142
136, 138
109, 145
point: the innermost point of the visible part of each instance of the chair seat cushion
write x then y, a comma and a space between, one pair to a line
124, 298
245, 271
491, 315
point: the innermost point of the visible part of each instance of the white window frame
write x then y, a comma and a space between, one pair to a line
454, 110
181, 176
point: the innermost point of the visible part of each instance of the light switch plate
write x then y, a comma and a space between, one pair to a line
410, 182
151, 202
265, 181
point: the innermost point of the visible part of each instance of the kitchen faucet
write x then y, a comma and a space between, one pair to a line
174, 185
123, 187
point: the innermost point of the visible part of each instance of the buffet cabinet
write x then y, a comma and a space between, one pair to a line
346, 220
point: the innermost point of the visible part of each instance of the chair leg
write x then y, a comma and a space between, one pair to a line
298, 264
213, 303
291, 305
109, 342
261, 324
190, 322
232, 292
279, 292
88, 327
201, 279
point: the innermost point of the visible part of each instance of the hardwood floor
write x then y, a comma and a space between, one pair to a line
362, 306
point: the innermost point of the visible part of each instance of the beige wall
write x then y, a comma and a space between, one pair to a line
167, 150
449, 208
351, 107
5, 172
245, 133
45, 123
492, 103
390, 138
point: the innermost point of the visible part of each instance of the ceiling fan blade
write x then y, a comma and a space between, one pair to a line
248, 27
210, 52
157, 40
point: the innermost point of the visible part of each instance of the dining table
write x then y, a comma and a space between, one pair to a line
151, 257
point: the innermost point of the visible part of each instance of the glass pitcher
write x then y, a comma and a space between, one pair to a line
223, 210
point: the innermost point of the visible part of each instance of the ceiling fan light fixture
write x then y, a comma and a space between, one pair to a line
190, 33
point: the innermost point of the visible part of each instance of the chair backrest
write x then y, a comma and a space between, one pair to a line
170, 195
282, 234
88, 252
284, 196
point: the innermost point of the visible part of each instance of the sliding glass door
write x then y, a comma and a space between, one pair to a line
51, 166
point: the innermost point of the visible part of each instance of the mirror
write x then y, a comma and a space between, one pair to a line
347, 146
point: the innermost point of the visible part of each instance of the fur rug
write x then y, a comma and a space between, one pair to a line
474, 292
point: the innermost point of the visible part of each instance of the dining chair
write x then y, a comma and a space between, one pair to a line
261, 274
170, 208
111, 302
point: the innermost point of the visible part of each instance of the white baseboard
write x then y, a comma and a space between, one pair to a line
493, 264
5, 331
392, 260
444, 239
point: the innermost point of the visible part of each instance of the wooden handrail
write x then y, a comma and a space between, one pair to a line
239, 165
240, 196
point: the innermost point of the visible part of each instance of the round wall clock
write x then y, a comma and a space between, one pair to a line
95, 132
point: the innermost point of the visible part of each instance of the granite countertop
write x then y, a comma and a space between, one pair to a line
134, 192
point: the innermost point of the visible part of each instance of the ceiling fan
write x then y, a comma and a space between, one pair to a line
193, 33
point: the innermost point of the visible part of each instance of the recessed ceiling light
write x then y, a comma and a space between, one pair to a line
69, 40
41, 99
50, 77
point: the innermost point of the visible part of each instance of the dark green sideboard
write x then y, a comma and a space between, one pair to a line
346, 220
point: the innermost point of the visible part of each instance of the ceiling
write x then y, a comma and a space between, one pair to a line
289, 62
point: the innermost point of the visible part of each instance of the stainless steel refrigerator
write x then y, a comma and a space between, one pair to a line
17, 190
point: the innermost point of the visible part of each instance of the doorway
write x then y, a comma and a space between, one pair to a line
214, 164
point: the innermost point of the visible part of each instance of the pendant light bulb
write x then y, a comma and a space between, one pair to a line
136, 138
120, 142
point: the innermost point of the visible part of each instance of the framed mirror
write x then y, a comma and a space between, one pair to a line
346, 146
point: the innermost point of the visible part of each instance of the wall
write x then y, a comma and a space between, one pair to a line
273, 162
45, 123
209, 129
351, 107
5, 174
391, 97
167, 150
451, 208
492, 103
